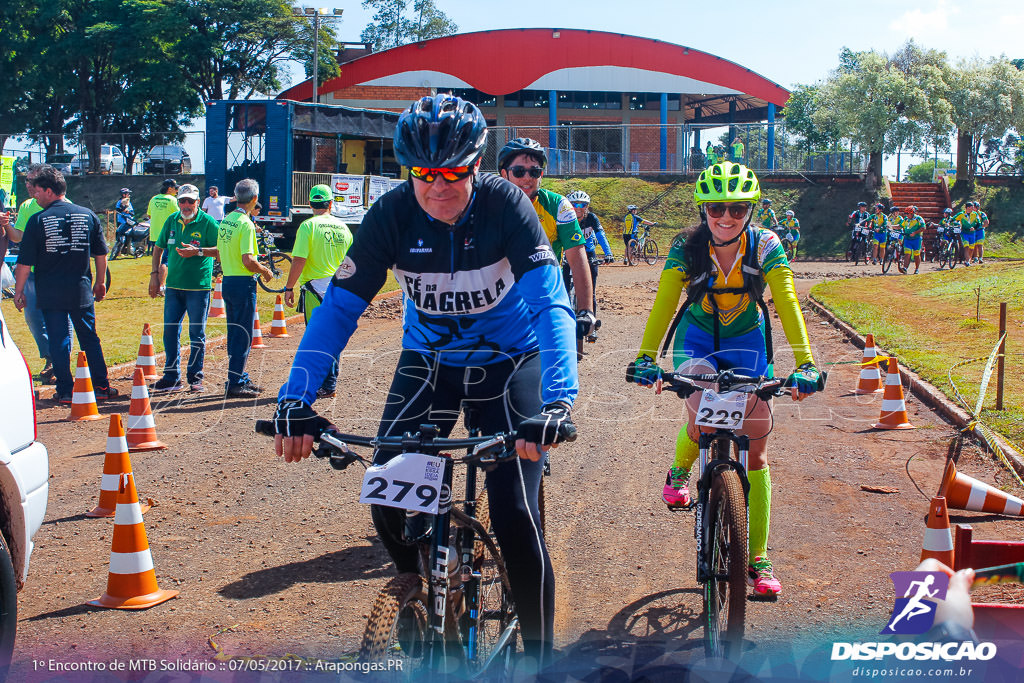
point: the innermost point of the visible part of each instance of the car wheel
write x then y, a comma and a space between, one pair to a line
8, 608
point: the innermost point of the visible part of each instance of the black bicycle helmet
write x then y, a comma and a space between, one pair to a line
522, 146
440, 132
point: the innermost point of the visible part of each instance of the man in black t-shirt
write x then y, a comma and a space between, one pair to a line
58, 242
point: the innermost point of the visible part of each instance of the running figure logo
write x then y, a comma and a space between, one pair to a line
916, 593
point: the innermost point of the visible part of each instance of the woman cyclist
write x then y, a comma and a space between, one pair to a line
724, 328
879, 233
789, 229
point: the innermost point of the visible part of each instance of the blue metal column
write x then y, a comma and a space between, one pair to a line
663, 141
698, 112
771, 137
732, 128
553, 130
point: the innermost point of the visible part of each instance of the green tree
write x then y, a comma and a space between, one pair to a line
327, 67
923, 172
987, 99
392, 27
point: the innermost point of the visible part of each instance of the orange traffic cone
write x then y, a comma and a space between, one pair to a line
967, 493
938, 538
870, 374
217, 303
257, 334
277, 325
83, 398
131, 583
115, 464
146, 359
894, 408
141, 429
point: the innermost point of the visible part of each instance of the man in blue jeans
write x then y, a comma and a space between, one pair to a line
236, 242
189, 237
58, 241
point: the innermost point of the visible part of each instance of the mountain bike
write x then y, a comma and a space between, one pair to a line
860, 246
953, 252
643, 248
893, 251
595, 262
456, 616
720, 523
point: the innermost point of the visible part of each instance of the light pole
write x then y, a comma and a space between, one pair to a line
319, 14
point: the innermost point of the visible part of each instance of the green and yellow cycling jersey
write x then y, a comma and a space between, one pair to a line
791, 224
969, 222
738, 314
766, 217
559, 222
879, 222
913, 225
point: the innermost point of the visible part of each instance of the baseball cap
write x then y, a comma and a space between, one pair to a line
320, 193
188, 192
170, 182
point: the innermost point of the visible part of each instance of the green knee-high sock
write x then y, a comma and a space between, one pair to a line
686, 450
760, 511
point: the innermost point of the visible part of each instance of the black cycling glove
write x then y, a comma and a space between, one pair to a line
585, 322
552, 425
295, 418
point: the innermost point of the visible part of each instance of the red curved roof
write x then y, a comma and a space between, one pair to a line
482, 59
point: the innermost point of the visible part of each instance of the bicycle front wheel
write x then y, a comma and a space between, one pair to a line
725, 593
887, 258
398, 627
631, 253
651, 252
496, 626
279, 264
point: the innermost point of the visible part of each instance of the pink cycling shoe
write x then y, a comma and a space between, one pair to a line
676, 493
762, 578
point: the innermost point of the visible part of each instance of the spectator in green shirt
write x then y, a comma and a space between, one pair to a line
236, 245
320, 246
710, 158
160, 209
189, 238
737, 150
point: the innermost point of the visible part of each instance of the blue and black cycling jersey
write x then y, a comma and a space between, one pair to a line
475, 293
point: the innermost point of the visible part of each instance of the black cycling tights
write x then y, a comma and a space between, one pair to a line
502, 394
567, 277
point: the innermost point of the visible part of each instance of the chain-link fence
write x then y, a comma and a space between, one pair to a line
112, 153
673, 149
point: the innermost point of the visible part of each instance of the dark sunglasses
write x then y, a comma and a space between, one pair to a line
186, 200
520, 171
580, 205
718, 209
429, 175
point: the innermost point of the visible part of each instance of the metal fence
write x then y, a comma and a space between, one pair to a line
115, 153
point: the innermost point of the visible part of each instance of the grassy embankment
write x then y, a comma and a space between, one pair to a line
928, 321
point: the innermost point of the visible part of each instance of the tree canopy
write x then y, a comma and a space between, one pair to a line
398, 22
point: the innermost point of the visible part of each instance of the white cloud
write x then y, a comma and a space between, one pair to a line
926, 24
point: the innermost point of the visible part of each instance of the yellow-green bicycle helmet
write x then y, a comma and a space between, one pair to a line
726, 182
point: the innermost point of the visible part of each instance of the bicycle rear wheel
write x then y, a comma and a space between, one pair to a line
651, 252
279, 264
632, 256
398, 625
725, 594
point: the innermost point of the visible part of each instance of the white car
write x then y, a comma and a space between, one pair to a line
111, 161
24, 485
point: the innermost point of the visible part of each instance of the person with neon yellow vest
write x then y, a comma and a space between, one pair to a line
160, 208
727, 330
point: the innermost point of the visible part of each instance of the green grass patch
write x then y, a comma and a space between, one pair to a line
119, 317
931, 322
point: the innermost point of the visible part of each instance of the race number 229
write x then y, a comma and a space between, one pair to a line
411, 481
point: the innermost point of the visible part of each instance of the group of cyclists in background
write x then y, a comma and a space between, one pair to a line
877, 233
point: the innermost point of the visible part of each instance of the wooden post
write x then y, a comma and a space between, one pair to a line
1002, 357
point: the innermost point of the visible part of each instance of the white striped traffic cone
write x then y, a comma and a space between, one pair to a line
257, 334
278, 328
141, 434
870, 381
83, 398
131, 583
147, 355
938, 538
967, 493
894, 408
217, 309
115, 464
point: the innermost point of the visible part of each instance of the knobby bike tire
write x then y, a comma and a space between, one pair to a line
631, 254
943, 258
651, 252
859, 253
398, 624
275, 261
887, 259
725, 595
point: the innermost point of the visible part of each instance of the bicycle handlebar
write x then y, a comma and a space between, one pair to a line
763, 387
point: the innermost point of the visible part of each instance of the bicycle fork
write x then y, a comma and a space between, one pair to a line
707, 469
437, 587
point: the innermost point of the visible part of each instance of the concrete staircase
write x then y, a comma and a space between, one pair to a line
930, 200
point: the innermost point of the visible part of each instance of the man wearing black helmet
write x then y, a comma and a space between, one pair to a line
853, 222
487, 325
522, 162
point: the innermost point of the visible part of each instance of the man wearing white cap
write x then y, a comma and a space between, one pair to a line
189, 237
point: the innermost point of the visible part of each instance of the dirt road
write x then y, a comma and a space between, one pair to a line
284, 556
